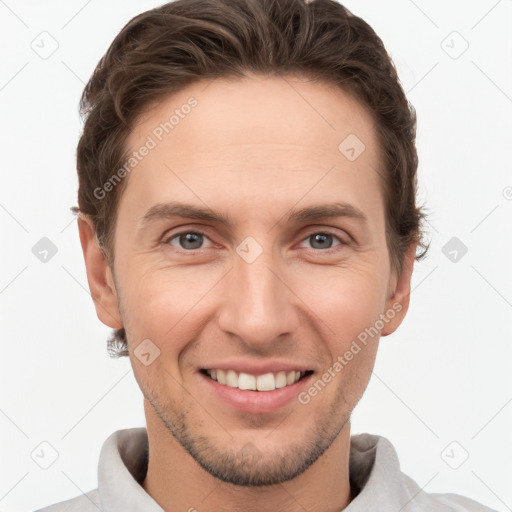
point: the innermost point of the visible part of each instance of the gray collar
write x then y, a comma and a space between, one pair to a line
375, 475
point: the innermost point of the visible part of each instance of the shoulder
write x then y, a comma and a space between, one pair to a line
88, 502
121, 467
439, 502
379, 483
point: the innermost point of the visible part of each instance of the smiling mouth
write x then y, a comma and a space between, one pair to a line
246, 381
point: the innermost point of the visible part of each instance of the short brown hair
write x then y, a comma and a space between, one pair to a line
166, 49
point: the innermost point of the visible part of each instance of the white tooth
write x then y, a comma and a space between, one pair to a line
221, 376
246, 381
266, 382
231, 379
297, 375
290, 378
213, 374
280, 380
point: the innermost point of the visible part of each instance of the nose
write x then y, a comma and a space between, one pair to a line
259, 305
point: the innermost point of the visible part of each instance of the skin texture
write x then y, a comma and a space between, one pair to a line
252, 149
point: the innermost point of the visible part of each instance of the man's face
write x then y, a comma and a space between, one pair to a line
268, 292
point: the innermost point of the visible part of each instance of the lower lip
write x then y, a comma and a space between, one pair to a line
256, 401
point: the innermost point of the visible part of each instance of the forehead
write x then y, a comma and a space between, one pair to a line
256, 141
256, 109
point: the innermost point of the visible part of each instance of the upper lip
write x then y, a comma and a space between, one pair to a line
257, 368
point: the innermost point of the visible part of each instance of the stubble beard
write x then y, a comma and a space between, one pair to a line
249, 466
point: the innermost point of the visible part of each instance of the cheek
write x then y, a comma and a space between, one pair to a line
347, 299
168, 304
160, 304
357, 364
350, 307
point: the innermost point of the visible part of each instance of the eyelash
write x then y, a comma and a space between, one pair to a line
330, 250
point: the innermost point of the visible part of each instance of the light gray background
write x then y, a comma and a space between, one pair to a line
444, 376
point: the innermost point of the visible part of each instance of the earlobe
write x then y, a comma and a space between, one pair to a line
398, 302
99, 276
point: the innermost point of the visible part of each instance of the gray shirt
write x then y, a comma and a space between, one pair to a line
375, 479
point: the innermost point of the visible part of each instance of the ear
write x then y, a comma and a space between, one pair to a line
398, 300
99, 276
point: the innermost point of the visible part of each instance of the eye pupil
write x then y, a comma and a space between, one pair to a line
195, 239
322, 238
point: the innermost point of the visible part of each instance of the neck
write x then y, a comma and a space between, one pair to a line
177, 483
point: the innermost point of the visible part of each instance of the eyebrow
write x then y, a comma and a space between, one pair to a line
307, 214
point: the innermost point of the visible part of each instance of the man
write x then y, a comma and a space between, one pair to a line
247, 180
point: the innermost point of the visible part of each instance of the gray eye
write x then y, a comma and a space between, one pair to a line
321, 240
188, 240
